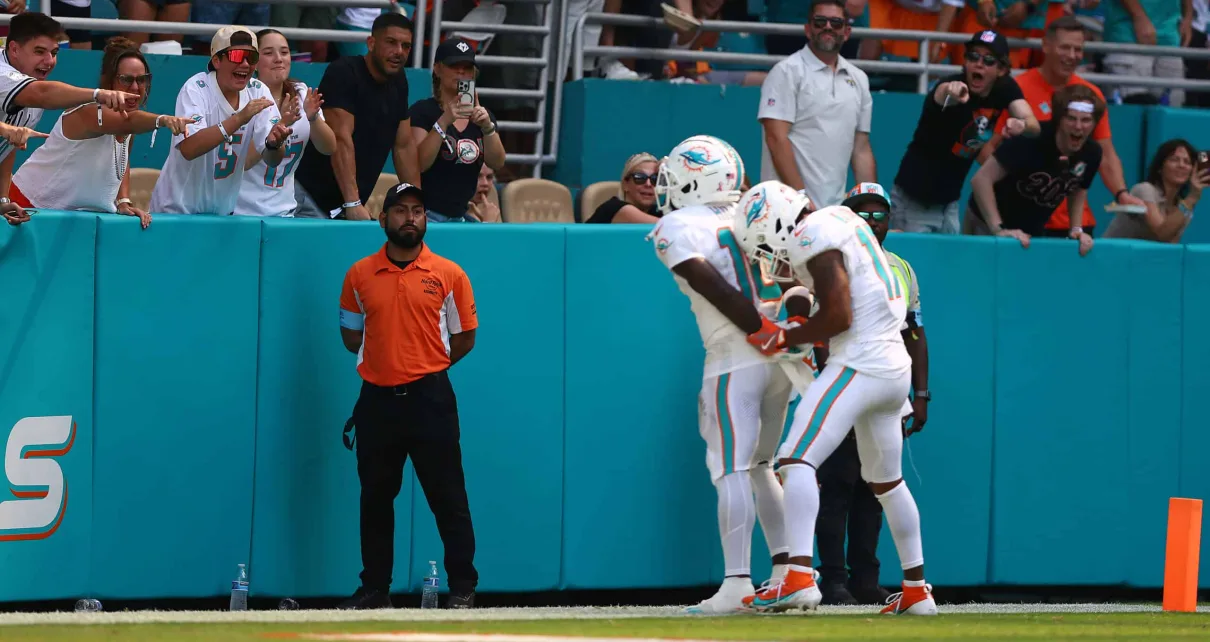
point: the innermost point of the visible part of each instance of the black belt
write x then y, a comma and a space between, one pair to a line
349, 435
403, 389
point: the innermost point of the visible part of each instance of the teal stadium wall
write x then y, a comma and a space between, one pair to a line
201, 362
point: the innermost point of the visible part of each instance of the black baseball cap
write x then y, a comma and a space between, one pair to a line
398, 192
455, 50
993, 40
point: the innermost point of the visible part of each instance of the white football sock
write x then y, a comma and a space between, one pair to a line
802, 501
770, 508
736, 519
904, 520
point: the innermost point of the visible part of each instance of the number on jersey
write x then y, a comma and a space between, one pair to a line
893, 290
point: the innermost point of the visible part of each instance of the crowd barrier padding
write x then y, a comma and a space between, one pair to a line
202, 363
1195, 380
175, 399
46, 369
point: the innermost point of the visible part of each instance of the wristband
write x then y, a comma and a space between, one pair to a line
489, 132
349, 206
268, 146
1118, 194
123, 201
223, 130
96, 92
155, 129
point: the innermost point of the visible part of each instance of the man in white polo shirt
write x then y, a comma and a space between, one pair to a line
815, 109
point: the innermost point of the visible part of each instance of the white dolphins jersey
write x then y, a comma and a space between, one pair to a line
702, 231
873, 344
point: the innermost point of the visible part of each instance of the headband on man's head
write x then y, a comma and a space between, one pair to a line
1081, 106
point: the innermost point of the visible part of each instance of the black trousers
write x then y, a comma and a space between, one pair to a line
847, 503
419, 419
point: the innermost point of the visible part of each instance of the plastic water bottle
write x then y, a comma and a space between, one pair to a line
1116, 97
428, 596
88, 605
239, 591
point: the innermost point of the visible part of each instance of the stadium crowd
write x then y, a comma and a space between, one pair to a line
250, 140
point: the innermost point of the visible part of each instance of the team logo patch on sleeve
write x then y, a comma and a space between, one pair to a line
662, 244
16, 75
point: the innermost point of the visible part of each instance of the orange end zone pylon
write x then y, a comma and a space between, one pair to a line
1182, 553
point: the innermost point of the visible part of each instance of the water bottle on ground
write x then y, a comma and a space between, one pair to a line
428, 596
239, 591
88, 605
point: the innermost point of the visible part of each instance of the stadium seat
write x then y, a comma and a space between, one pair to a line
595, 194
536, 200
385, 182
142, 182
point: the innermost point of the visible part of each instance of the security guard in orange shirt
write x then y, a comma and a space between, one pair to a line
409, 315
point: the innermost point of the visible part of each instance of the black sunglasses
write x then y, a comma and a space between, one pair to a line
988, 59
877, 216
638, 178
819, 22
127, 80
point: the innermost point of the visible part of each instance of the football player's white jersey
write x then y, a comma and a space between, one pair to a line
702, 231
873, 344
210, 184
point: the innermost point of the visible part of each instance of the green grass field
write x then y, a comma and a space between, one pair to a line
981, 627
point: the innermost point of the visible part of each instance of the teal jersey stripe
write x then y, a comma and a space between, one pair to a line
892, 285
821, 411
743, 274
725, 429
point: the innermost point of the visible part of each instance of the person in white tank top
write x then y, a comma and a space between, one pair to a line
269, 191
83, 164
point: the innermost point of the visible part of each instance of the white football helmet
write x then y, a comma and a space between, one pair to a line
763, 221
701, 170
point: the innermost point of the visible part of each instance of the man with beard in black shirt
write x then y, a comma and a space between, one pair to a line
958, 118
1014, 194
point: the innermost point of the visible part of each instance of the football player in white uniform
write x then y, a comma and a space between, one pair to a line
862, 307
742, 406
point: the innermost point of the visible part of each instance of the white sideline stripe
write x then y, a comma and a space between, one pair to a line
476, 637
476, 615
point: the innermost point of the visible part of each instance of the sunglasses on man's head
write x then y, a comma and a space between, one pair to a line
819, 22
126, 80
638, 178
988, 59
238, 56
877, 216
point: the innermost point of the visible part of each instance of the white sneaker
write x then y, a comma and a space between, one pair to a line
727, 601
615, 70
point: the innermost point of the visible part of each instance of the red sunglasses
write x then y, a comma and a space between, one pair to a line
238, 56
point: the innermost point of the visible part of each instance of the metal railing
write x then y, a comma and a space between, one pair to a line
108, 25
923, 69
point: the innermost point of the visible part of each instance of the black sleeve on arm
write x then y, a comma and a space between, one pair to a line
1007, 90
1094, 164
424, 113
607, 210
339, 87
1016, 153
